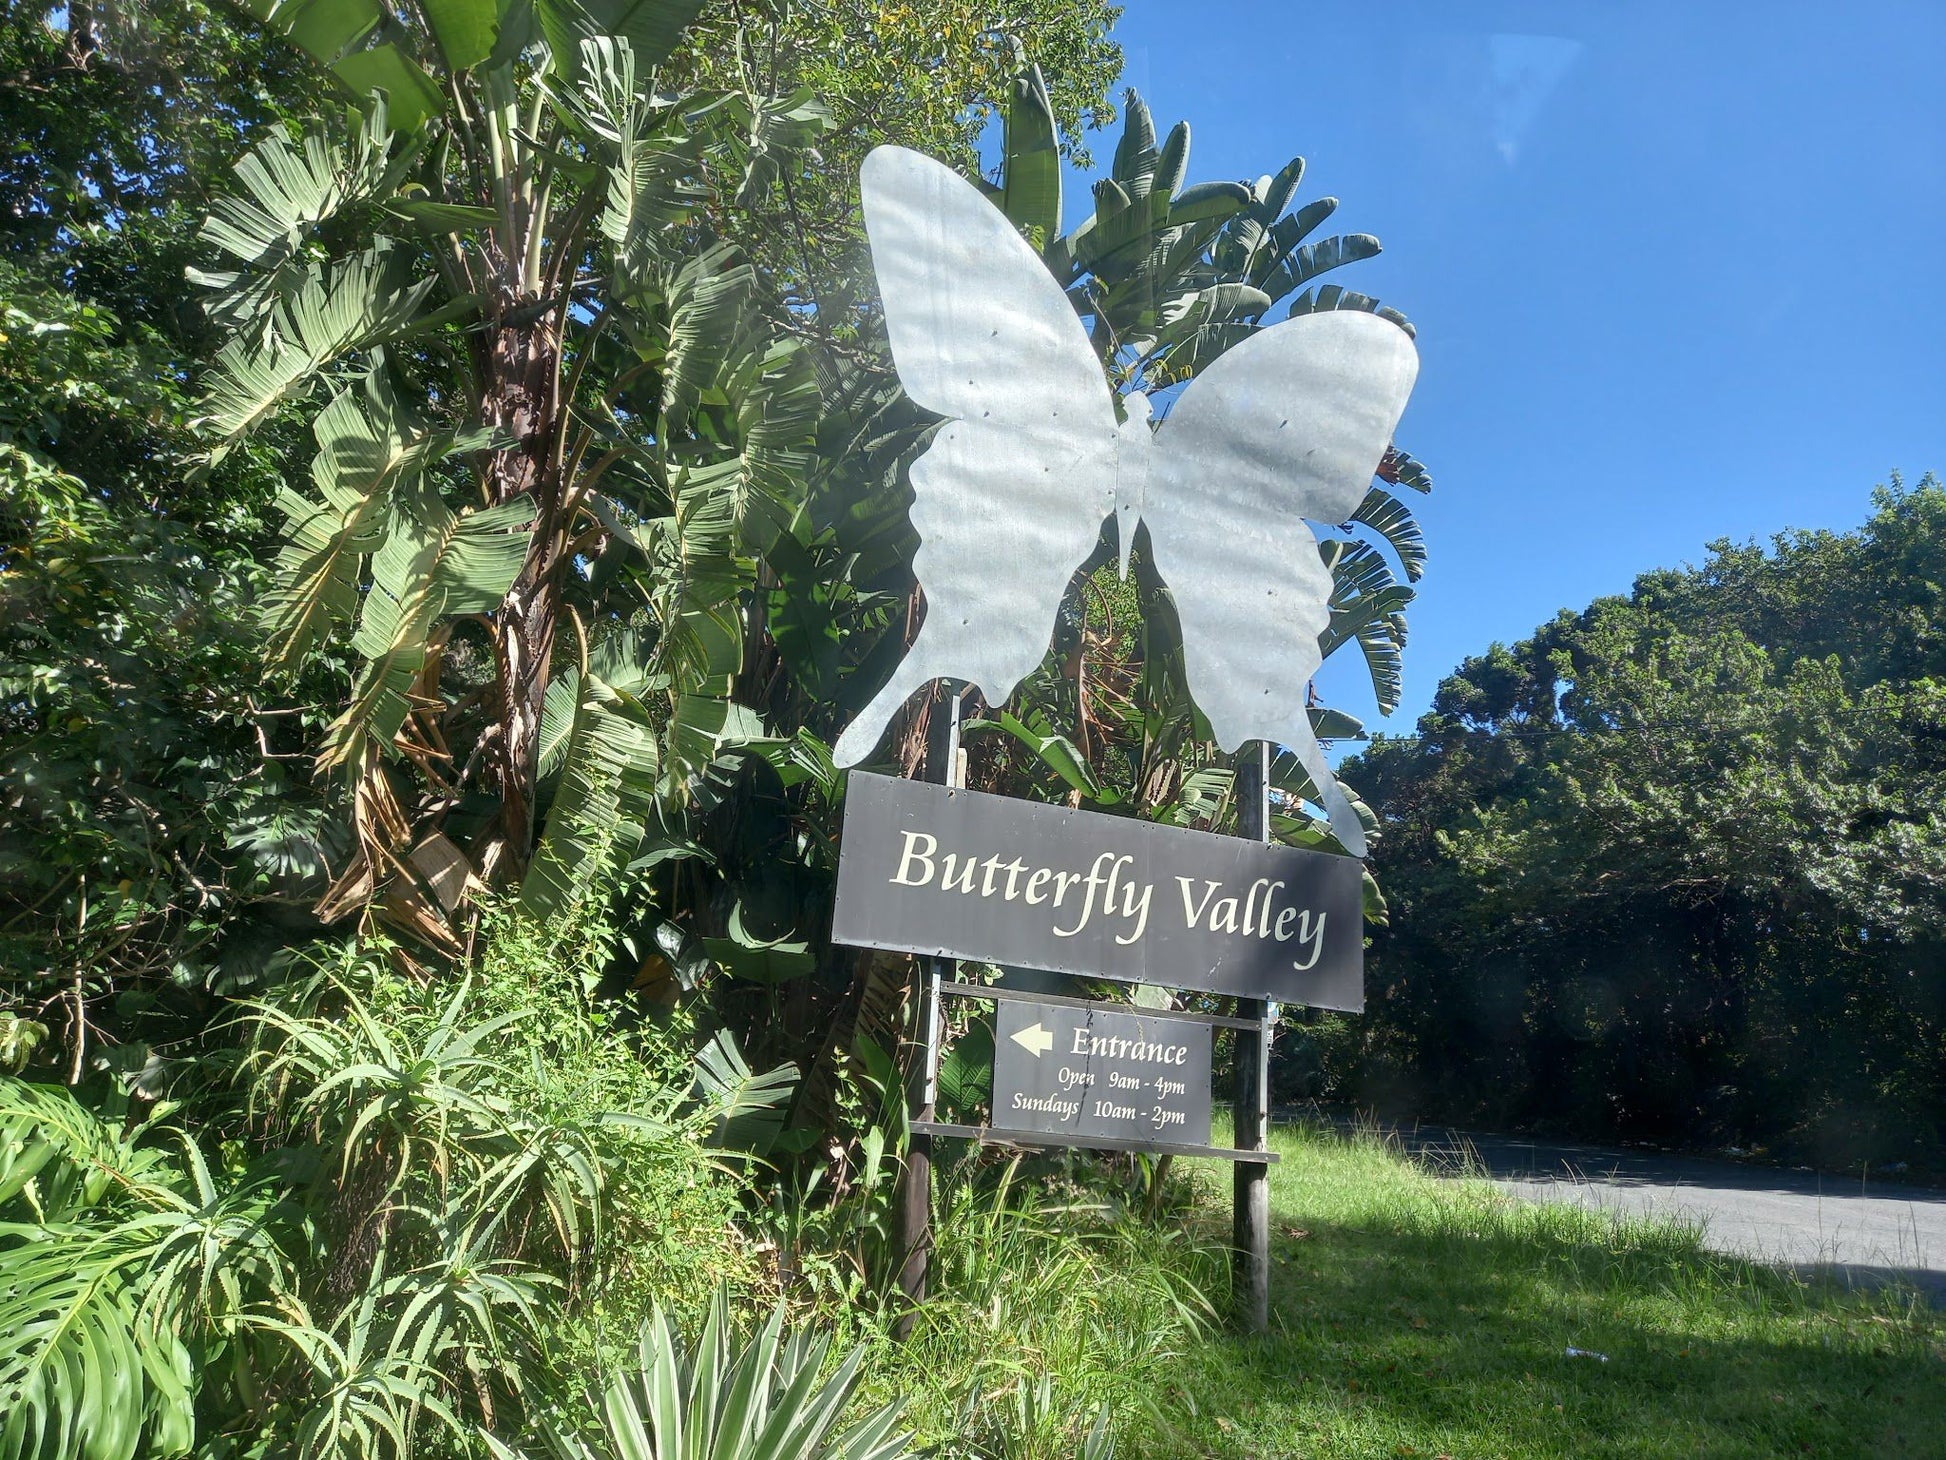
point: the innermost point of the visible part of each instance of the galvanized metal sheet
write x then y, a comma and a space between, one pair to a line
1289, 424
1012, 493
1101, 1070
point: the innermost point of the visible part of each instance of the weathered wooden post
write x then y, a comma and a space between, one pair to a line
915, 1180
1250, 1180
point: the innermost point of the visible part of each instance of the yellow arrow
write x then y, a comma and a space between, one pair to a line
1034, 1039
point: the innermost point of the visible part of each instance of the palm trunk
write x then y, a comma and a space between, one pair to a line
520, 403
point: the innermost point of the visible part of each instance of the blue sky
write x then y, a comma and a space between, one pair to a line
1679, 271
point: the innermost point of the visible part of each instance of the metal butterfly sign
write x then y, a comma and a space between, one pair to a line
1010, 497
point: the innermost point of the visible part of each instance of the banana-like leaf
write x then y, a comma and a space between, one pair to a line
386, 74
432, 563
1240, 250
652, 28
364, 453
464, 29
1135, 155
1332, 296
750, 1105
781, 128
1330, 724
762, 962
322, 29
1393, 520
653, 181
289, 193
429, 216
704, 726
290, 190
1188, 315
608, 781
1172, 162
1030, 191
361, 301
620, 660
1402, 470
1058, 753
1298, 267
775, 395
1368, 604
1382, 642
701, 578
712, 301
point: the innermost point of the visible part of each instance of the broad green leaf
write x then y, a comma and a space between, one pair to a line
322, 29
781, 129
465, 29
751, 1105
411, 96
430, 216
703, 727
607, 789
1328, 297
1388, 516
290, 191
432, 563
763, 962
361, 301
1330, 724
1135, 154
365, 451
1404, 471
1030, 193
651, 27
1056, 752
1299, 267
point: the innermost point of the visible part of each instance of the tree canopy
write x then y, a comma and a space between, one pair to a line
1675, 867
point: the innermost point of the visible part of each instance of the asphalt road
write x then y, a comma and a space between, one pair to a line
1853, 1230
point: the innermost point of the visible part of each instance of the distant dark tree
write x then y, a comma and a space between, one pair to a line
1675, 867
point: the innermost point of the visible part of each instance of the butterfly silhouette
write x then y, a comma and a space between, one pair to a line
1011, 495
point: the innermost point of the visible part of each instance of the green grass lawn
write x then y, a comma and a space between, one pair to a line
1411, 1316
1414, 1316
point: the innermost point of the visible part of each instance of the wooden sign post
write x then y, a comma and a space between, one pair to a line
1250, 1180
947, 873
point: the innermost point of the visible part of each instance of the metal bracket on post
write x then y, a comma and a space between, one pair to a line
930, 1098
1250, 1189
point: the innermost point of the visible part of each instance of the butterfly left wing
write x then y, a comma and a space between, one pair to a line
1010, 497
1288, 425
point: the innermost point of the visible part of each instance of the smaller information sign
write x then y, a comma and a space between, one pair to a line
1095, 1071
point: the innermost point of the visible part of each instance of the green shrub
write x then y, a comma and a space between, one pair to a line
768, 1399
414, 1221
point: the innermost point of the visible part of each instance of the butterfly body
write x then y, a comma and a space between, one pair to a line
1011, 495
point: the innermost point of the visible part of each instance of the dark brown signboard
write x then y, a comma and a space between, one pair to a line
1079, 1071
961, 874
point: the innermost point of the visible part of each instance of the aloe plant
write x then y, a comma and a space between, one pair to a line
769, 1398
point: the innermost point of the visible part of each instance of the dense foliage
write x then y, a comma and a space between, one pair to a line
1675, 867
451, 493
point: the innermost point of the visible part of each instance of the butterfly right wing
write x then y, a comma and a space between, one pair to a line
1289, 424
1010, 497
